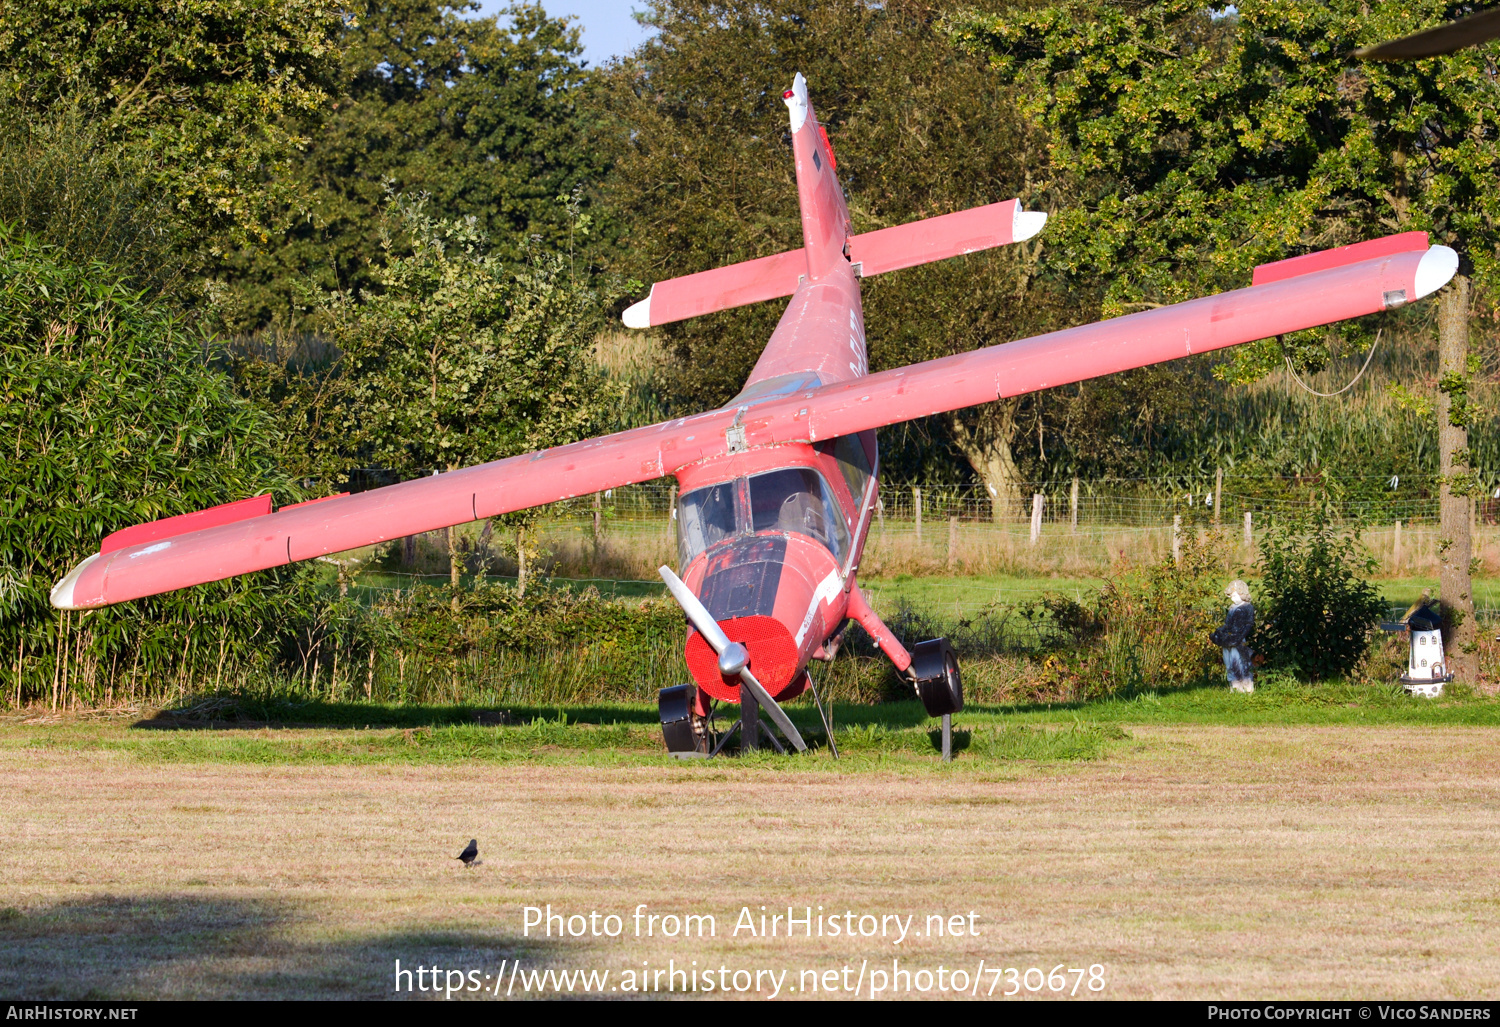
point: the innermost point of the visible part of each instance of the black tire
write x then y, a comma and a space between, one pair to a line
940, 684
682, 729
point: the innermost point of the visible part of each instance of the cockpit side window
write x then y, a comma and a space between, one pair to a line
849, 451
704, 516
797, 499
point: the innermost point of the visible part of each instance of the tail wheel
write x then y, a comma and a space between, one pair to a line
940, 685
683, 728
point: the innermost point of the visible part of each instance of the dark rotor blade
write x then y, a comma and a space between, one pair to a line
1444, 39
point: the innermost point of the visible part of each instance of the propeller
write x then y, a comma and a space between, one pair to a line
732, 656
1444, 39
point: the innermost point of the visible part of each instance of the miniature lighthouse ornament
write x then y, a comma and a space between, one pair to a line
1231, 635
1426, 667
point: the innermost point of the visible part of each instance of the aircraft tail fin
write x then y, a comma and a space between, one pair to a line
872, 253
825, 217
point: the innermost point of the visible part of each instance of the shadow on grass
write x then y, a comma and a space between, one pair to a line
230, 714
191, 946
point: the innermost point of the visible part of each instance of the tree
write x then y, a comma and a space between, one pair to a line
461, 358
112, 417
702, 176
480, 117
1235, 138
212, 91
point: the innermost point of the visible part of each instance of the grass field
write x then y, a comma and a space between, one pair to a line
1312, 842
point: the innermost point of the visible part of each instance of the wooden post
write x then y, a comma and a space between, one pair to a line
916, 502
1177, 538
1073, 506
880, 515
598, 520
1396, 552
952, 544
671, 512
1036, 517
1218, 493
1249, 537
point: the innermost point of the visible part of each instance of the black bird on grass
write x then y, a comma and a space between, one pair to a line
470, 856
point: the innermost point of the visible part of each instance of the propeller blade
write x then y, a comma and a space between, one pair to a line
696, 611
772, 707
718, 641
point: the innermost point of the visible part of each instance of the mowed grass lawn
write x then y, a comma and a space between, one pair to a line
1305, 843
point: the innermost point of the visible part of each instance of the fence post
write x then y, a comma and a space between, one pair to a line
1396, 556
1249, 537
880, 515
1177, 538
598, 520
916, 502
671, 512
1073, 506
1218, 493
1036, 517
952, 544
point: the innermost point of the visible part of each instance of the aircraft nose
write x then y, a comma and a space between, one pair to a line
759, 599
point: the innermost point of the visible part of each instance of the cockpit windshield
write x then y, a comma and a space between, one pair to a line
704, 516
798, 499
792, 499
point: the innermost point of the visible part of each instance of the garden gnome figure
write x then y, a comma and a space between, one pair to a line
1231, 635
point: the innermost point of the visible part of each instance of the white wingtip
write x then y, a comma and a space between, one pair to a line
1437, 266
62, 592
796, 101
638, 315
1026, 223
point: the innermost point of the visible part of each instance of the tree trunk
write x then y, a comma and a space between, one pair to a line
454, 566
985, 443
1455, 544
521, 562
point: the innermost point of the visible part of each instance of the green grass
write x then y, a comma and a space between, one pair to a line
941, 592
895, 735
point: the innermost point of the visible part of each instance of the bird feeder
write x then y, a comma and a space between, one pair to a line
1426, 666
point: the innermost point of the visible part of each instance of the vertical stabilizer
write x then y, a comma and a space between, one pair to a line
825, 218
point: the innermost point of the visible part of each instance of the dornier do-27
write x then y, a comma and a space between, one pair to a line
777, 487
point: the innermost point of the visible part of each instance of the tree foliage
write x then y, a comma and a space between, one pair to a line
213, 91
461, 357
1228, 139
478, 113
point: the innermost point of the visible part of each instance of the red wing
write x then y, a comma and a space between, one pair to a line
162, 564
1362, 279
1353, 288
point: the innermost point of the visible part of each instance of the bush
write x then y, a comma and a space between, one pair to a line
111, 417
1315, 610
1137, 632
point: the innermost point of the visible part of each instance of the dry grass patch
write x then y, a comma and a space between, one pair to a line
1196, 861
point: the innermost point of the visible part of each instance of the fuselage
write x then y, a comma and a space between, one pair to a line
770, 538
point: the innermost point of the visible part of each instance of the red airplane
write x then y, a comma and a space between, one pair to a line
777, 488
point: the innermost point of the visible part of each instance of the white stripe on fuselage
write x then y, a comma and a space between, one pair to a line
824, 593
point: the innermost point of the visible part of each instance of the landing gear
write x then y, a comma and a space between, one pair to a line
940, 686
684, 728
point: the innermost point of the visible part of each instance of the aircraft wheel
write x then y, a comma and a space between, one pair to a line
940, 685
682, 728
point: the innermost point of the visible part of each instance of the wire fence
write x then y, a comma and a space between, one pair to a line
615, 540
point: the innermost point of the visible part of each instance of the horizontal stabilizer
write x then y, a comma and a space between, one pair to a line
950, 235
723, 288
888, 249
